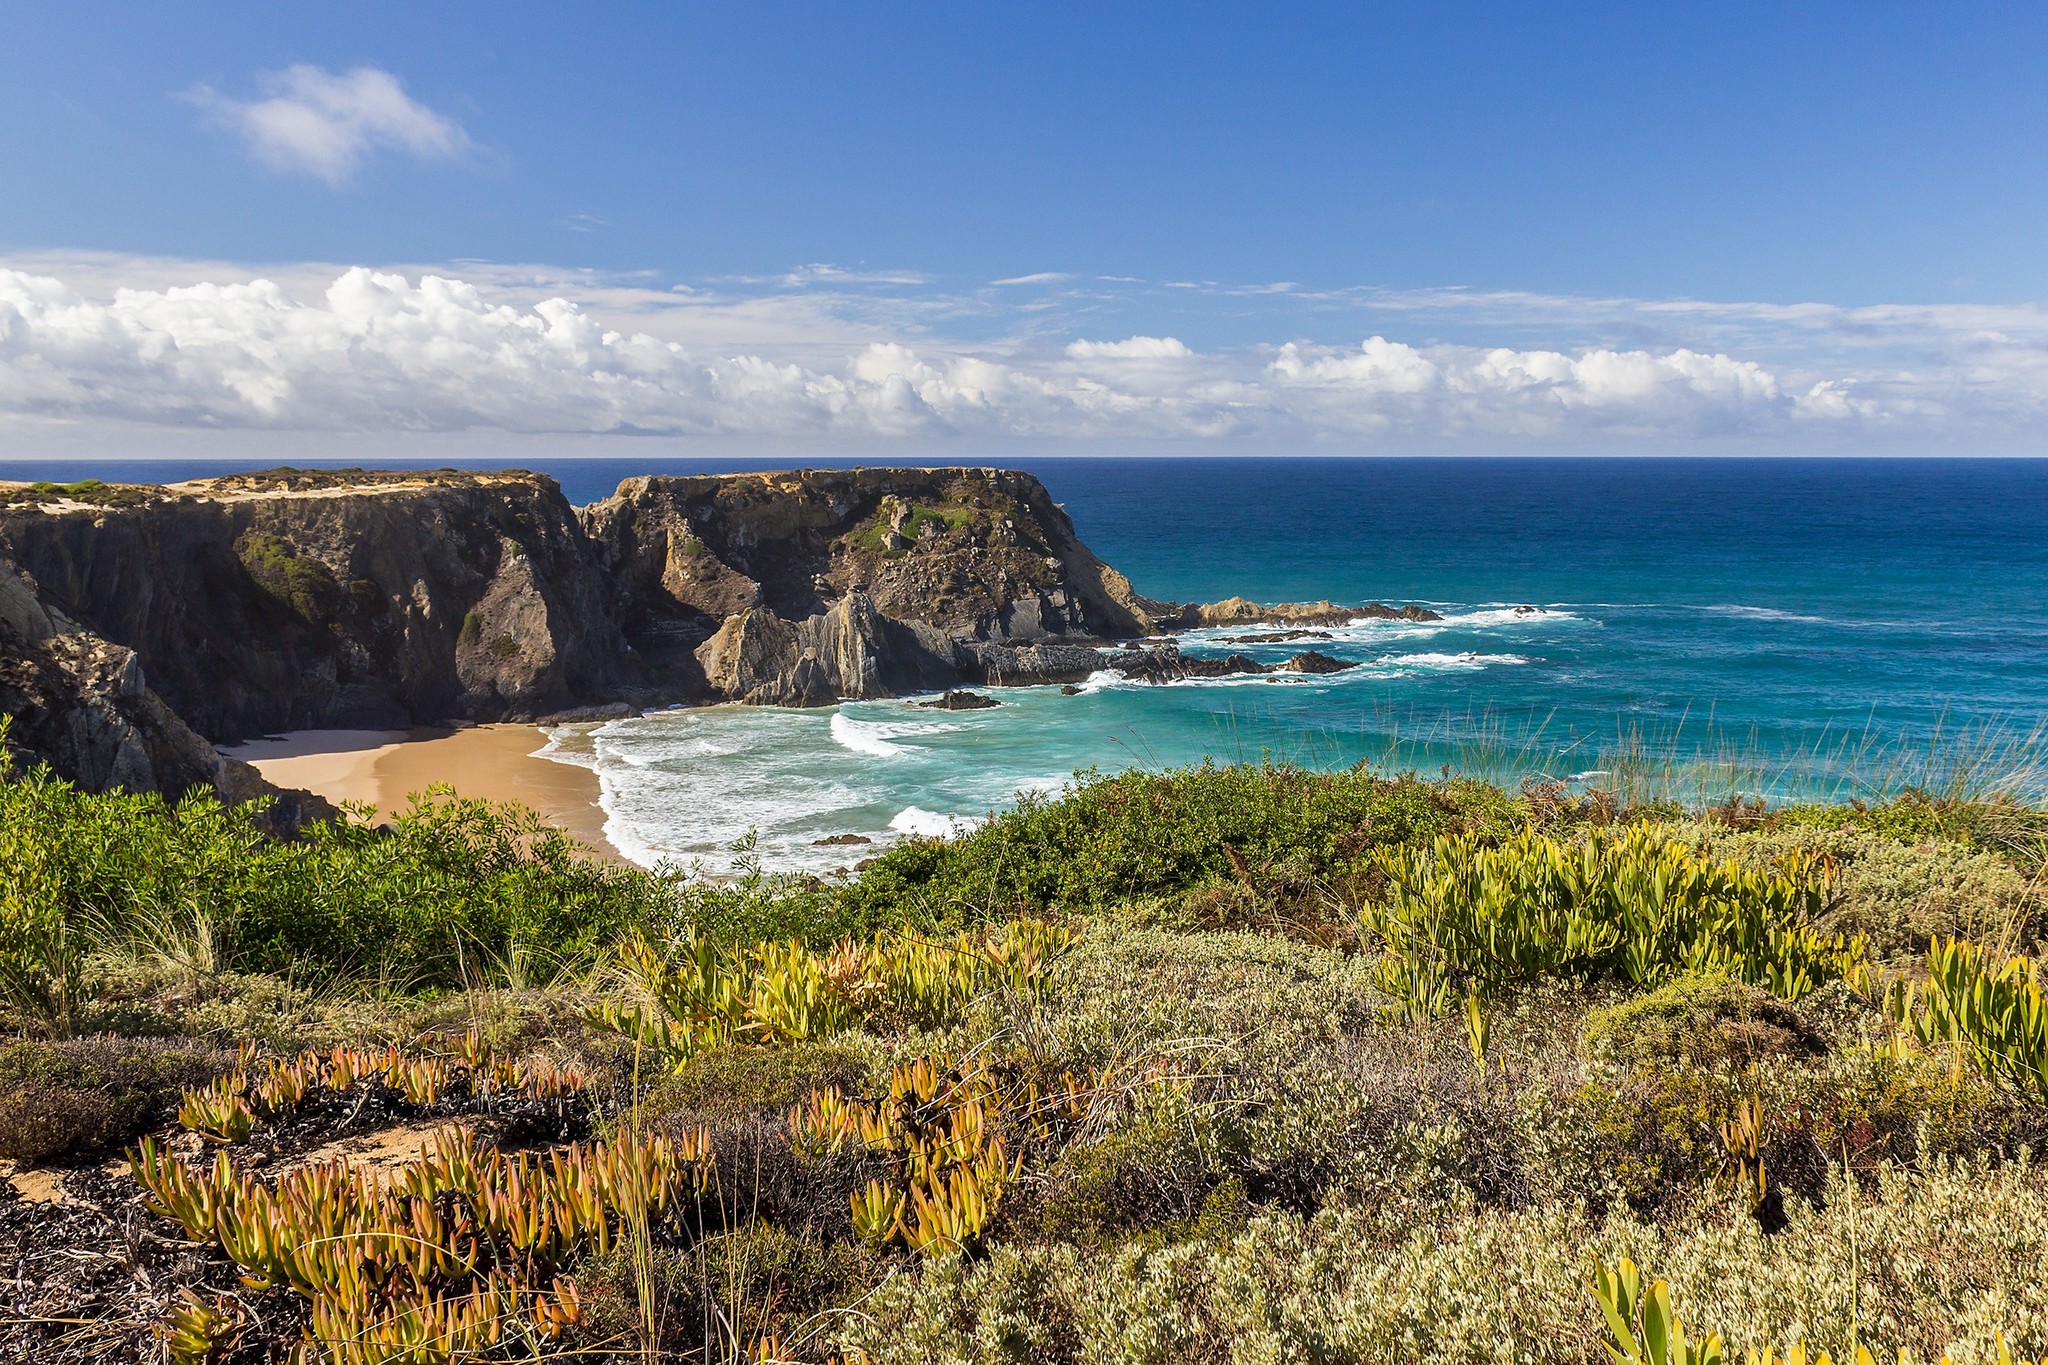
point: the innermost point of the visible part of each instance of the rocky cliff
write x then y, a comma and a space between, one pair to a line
344, 598
299, 599
891, 578
83, 705
296, 600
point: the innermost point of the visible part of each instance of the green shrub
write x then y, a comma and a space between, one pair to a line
1656, 1130
1107, 840
1901, 897
1707, 1021
455, 885
59, 1099
453, 891
93, 492
737, 1084
1152, 1174
306, 586
750, 905
1991, 820
1897, 895
1912, 817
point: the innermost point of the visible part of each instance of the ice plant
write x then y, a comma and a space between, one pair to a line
461, 1250
233, 1106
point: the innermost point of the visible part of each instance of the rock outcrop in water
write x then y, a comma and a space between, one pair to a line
1164, 663
851, 649
800, 589
1239, 611
296, 599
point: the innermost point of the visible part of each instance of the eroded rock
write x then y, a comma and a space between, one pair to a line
960, 701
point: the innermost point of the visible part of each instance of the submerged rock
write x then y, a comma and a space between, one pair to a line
838, 840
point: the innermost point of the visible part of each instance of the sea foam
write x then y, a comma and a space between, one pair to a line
930, 823
863, 737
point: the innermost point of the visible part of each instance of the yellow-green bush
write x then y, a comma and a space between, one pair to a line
1988, 1005
254, 1093
702, 994
1633, 906
956, 1132
1701, 1020
1897, 894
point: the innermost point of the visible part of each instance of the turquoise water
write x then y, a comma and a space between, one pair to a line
1819, 621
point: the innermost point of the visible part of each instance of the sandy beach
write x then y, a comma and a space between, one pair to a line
383, 767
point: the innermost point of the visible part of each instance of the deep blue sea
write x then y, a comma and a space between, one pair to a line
1778, 626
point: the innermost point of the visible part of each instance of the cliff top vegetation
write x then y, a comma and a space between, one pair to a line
1215, 1064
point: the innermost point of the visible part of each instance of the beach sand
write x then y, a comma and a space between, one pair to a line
383, 767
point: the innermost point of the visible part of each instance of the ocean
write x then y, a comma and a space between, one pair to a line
1781, 627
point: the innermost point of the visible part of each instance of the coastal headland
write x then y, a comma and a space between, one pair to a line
142, 627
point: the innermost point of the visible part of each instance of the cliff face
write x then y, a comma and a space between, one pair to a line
978, 554
798, 589
83, 705
292, 601
296, 599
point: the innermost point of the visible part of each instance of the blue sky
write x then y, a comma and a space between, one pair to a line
1481, 228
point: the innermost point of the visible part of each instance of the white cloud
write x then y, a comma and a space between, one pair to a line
1131, 348
103, 344
317, 123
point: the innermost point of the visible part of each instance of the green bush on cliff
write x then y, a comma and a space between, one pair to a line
452, 890
92, 492
304, 585
1108, 840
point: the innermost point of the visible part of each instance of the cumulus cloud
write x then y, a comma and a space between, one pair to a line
321, 124
1131, 348
524, 351
1538, 391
